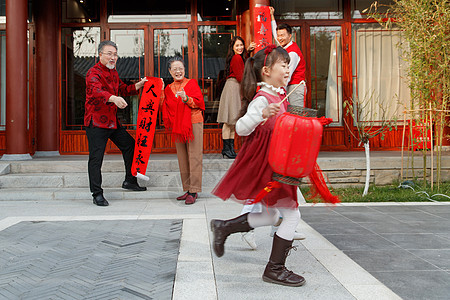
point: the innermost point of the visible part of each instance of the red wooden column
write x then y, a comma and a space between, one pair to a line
45, 14
16, 80
246, 27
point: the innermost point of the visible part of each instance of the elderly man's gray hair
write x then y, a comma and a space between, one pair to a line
174, 59
106, 43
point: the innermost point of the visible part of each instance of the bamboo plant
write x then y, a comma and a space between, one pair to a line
425, 25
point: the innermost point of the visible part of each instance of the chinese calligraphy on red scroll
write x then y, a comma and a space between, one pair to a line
263, 32
146, 125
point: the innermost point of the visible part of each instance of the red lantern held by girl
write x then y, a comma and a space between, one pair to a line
294, 148
295, 145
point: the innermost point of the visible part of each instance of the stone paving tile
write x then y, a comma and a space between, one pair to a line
417, 285
437, 257
320, 218
366, 217
390, 260
444, 235
238, 273
89, 259
341, 228
359, 241
417, 217
439, 227
393, 209
389, 226
407, 247
411, 241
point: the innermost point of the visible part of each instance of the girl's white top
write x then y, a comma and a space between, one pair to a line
253, 117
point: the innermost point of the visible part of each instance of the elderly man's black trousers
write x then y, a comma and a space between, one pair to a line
97, 139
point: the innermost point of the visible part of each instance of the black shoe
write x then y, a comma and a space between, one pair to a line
231, 146
133, 186
223, 228
226, 151
276, 271
99, 200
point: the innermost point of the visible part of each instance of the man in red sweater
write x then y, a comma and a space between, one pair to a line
297, 66
103, 88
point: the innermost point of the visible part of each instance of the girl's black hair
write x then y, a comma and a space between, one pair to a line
231, 53
253, 73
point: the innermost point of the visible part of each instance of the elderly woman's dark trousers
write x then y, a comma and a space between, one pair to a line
97, 139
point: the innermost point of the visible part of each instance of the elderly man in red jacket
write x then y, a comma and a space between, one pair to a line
103, 88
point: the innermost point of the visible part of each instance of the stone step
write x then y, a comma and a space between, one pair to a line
210, 162
5, 168
47, 194
110, 179
71, 172
81, 166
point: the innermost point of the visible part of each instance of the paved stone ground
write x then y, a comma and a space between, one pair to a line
89, 259
51, 250
330, 274
405, 247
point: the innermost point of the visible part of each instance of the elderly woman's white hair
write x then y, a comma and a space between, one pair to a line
174, 59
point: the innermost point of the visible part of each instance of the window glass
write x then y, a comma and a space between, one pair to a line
213, 47
120, 11
3, 11
296, 36
326, 72
80, 11
79, 54
3, 80
308, 9
220, 11
169, 43
379, 72
130, 66
358, 7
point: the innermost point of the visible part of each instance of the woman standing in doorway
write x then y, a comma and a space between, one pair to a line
230, 100
182, 116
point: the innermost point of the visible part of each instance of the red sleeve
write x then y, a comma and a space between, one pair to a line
127, 90
193, 91
96, 88
237, 67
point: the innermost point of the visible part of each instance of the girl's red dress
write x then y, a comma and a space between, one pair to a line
251, 172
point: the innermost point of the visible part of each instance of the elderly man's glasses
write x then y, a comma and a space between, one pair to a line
110, 54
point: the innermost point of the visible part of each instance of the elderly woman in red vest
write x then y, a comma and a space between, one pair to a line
182, 115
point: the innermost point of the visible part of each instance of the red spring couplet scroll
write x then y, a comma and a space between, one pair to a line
263, 30
146, 125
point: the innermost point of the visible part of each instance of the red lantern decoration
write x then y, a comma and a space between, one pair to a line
294, 146
293, 152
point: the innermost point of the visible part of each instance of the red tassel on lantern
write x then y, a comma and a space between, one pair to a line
319, 186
